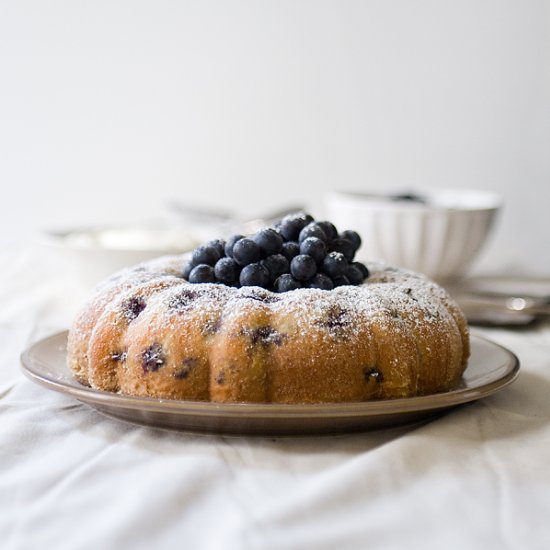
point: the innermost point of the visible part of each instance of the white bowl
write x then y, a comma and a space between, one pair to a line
95, 253
432, 231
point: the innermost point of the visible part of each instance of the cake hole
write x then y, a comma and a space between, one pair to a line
371, 373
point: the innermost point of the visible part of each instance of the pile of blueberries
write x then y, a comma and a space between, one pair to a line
298, 252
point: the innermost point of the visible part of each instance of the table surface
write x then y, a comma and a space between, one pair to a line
477, 477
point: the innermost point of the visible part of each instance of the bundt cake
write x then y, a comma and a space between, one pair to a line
158, 330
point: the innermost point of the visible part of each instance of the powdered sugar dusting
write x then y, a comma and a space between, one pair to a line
389, 294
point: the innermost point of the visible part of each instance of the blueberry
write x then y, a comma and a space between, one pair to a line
187, 268
183, 299
312, 230
296, 252
254, 275
246, 251
153, 358
353, 237
132, 307
230, 243
287, 282
269, 241
363, 268
354, 274
322, 281
335, 264
290, 249
219, 245
303, 267
314, 247
202, 273
292, 224
344, 246
226, 271
340, 281
329, 229
205, 254
276, 264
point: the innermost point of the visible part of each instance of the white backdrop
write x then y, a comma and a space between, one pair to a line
109, 108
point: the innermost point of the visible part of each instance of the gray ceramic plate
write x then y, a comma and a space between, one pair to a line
491, 368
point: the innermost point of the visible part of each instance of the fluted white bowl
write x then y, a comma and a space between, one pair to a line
439, 235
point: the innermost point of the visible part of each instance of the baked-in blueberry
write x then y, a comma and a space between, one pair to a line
344, 246
335, 264
312, 229
230, 243
290, 249
187, 366
254, 275
183, 299
292, 224
353, 237
303, 267
264, 335
257, 294
287, 282
153, 358
205, 254
202, 273
314, 247
211, 326
226, 271
246, 251
336, 319
132, 307
276, 264
322, 281
269, 241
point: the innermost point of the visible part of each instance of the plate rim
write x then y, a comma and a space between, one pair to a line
385, 407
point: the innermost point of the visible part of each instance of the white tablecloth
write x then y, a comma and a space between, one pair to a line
478, 477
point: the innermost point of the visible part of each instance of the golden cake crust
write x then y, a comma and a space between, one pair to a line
148, 332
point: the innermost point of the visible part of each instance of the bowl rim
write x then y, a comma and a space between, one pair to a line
57, 239
378, 198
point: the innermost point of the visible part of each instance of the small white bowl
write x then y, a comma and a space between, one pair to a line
432, 231
95, 253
